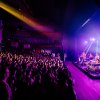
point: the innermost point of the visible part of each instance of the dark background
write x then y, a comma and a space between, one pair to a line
65, 16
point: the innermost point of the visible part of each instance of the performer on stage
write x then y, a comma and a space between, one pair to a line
97, 57
82, 57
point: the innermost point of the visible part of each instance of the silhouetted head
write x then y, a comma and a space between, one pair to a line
4, 73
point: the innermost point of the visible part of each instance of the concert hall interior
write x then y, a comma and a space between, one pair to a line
49, 50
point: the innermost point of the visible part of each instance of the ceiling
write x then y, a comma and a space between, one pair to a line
65, 16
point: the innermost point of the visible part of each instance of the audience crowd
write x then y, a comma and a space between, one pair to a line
34, 77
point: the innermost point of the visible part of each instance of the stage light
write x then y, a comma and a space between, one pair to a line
85, 42
92, 39
86, 22
31, 22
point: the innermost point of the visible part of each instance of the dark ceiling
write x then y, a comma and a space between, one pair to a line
65, 15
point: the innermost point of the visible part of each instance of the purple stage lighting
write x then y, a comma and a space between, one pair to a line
85, 42
92, 39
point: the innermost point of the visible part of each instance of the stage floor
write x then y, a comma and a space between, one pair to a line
85, 87
89, 72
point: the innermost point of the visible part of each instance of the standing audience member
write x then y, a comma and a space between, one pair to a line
5, 90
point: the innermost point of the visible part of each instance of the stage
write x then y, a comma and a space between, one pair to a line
92, 71
85, 87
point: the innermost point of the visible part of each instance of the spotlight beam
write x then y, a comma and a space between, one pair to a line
30, 21
89, 47
85, 22
86, 47
97, 47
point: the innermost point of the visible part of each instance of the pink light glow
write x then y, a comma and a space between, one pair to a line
85, 42
92, 39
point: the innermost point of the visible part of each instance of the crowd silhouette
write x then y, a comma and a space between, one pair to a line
34, 77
